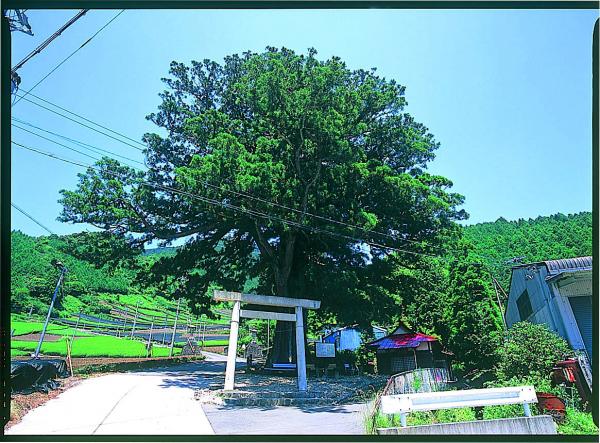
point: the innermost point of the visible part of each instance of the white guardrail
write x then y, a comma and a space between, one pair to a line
429, 401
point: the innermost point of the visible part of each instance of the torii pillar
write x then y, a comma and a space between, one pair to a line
299, 304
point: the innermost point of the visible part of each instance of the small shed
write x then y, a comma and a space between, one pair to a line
405, 350
349, 337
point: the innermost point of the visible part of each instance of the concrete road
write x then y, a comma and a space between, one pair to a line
305, 420
161, 401
157, 401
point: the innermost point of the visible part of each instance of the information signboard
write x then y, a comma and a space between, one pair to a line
325, 350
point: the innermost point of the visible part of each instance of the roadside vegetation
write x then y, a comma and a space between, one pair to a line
98, 346
525, 357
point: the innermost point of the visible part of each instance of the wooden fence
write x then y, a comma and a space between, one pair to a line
417, 380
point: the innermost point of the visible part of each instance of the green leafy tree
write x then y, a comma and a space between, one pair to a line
102, 249
302, 136
472, 322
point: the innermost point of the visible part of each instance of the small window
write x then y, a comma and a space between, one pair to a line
524, 305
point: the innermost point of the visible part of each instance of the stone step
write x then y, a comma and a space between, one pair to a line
272, 402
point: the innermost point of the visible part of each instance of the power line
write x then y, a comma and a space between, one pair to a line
71, 55
31, 217
220, 187
233, 207
85, 119
82, 124
84, 145
49, 40
60, 144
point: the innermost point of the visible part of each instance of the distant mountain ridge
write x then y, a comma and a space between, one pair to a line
542, 238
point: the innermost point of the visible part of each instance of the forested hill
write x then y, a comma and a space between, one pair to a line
543, 238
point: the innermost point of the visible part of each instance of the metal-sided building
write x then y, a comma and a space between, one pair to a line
557, 293
349, 338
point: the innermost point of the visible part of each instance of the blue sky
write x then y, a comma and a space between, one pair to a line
506, 93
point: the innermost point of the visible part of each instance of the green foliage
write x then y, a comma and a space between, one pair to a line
530, 351
543, 238
308, 134
365, 354
33, 278
418, 418
472, 322
505, 411
18, 353
97, 346
209, 343
28, 327
455, 415
577, 422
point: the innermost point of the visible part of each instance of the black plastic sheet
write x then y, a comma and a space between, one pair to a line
36, 375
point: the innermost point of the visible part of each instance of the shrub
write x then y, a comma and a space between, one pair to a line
505, 411
577, 422
455, 415
530, 351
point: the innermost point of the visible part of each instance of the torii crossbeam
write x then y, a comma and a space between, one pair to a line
265, 300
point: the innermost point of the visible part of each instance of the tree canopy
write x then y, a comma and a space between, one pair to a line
279, 166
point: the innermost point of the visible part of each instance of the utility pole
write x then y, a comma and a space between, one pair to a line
76, 324
49, 40
164, 330
174, 328
148, 346
30, 312
63, 271
135, 318
496, 286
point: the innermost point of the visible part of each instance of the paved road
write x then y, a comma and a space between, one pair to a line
305, 420
161, 401
157, 401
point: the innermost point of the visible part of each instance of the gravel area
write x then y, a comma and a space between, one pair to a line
261, 389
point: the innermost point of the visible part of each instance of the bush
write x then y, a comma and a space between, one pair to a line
530, 351
455, 415
577, 422
380, 420
505, 411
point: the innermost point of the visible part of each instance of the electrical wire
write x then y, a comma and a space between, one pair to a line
53, 141
85, 119
70, 55
246, 195
31, 217
84, 145
246, 211
82, 124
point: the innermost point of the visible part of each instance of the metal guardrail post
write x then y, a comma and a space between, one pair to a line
403, 419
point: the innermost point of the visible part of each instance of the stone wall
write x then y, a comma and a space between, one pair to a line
538, 425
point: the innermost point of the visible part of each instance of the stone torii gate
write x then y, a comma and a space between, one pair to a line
265, 300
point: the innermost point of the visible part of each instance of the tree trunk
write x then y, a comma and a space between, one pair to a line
284, 341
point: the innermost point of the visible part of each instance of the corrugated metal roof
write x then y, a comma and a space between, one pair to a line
400, 341
568, 264
555, 267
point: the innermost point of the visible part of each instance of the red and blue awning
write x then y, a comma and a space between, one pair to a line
400, 341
